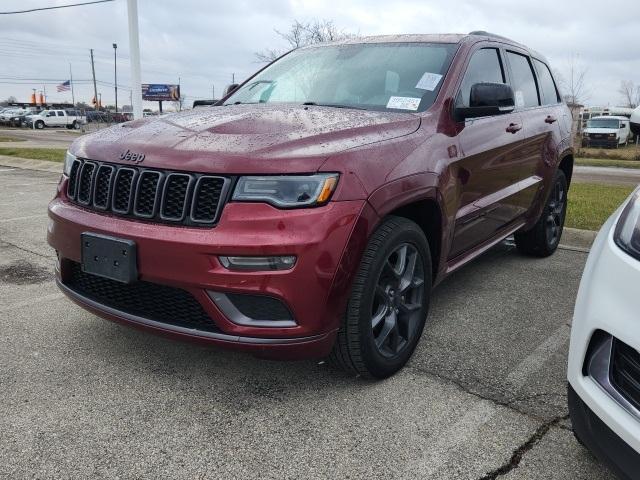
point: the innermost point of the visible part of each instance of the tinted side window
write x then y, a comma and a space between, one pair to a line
547, 85
484, 66
523, 81
60, 114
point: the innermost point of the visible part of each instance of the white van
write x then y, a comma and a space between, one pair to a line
606, 131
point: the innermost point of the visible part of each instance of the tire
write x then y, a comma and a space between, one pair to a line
543, 239
76, 126
386, 312
40, 124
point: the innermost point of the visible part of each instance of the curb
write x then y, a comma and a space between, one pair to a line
29, 164
572, 238
577, 240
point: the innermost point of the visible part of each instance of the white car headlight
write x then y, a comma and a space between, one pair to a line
627, 232
68, 161
287, 191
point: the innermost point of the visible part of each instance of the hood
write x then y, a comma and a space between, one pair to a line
246, 138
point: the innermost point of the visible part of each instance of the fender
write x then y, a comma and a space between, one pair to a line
405, 190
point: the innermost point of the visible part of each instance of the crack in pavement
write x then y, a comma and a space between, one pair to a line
26, 249
518, 453
493, 399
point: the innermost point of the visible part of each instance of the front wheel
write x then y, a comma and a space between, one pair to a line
389, 302
543, 239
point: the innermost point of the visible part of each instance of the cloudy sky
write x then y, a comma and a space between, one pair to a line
204, 42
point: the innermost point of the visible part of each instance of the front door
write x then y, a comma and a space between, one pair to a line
491, 152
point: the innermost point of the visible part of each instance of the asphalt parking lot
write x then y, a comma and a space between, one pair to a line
484, 397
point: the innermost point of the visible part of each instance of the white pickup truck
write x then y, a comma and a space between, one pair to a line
57, 118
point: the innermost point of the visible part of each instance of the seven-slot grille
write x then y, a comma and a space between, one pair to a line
166, 197
625, 371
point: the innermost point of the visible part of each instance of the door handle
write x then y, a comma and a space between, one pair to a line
514, 128
550, 119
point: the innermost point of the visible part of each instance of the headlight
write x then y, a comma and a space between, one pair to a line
68, 161
612, 135
287, 191
627, 232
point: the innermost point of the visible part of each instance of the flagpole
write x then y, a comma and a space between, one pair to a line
73, 97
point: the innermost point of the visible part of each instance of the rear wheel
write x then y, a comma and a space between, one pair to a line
389, 302
40, 124
543, 239
76, 125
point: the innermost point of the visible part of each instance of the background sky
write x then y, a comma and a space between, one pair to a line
204, 42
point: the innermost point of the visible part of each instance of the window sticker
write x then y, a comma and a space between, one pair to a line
519, 99
403, 103
429, 81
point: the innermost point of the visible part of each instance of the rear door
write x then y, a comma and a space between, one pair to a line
61, 118
539, 103
492, 148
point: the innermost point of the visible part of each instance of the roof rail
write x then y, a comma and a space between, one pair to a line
488, 34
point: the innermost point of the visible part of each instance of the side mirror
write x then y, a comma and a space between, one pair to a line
487, 99
230, 88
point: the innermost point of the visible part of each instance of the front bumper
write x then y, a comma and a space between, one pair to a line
607, 305
600, 142
607, 446
327, 242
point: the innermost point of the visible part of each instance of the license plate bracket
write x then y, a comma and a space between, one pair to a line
109, 257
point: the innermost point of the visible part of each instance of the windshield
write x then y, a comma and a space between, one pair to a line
604, 123
377, 76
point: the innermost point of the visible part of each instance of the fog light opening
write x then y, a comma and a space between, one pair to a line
283, 262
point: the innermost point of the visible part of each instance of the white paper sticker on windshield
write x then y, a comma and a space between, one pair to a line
403, 103
429, 81
519, 99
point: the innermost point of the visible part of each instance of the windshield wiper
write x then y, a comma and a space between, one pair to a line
334, 105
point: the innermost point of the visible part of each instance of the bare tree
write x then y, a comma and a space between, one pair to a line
9, 100
574, 85
301, 34
630, 93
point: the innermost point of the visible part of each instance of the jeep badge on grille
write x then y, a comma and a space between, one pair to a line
130, 156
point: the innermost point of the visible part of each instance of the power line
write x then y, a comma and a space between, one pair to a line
54, 8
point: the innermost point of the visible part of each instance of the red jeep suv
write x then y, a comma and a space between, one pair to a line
312, 210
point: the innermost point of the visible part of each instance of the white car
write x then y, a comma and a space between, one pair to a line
606, 131
604, 355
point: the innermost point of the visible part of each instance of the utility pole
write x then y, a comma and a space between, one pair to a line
95, 88
233, 78
134, 55
213, 92
73, 97
115, 72
179, 97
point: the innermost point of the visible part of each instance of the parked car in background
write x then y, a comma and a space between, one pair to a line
607, 131
7, 114
57, 118
310, 215
604, 355
20, 119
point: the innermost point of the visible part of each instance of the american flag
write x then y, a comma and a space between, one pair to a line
64, 86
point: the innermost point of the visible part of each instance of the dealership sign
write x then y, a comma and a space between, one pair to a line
158, 92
